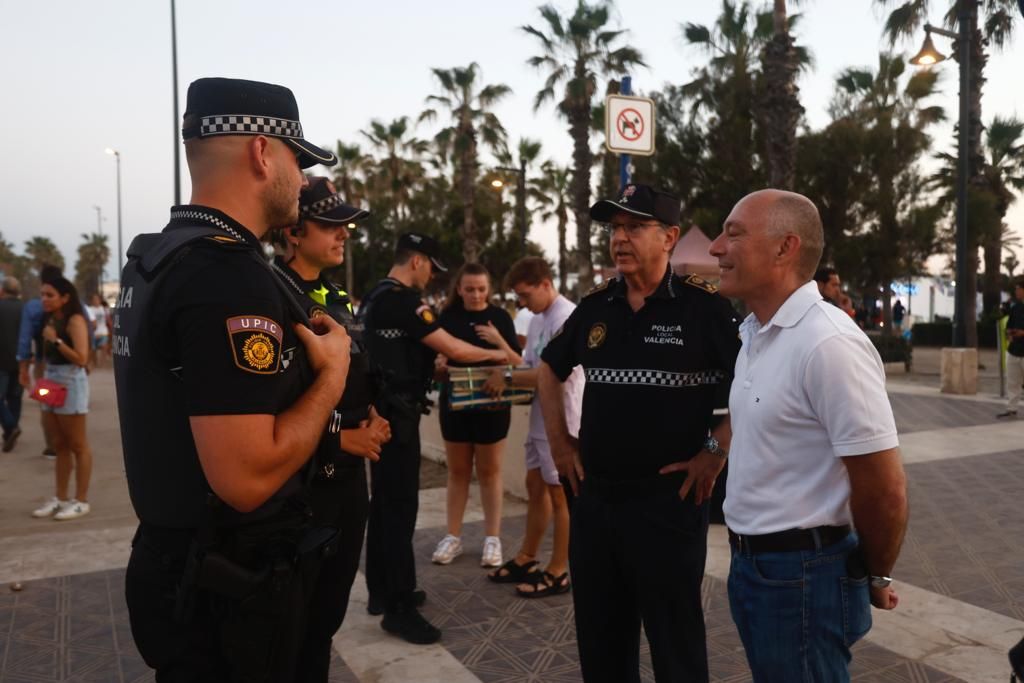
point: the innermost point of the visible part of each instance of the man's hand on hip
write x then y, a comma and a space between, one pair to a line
701, 472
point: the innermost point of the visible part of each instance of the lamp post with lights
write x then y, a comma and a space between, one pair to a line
927, 56
520, 196
120, 252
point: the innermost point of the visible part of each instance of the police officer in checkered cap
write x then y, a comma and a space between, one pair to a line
224, 386
656, 349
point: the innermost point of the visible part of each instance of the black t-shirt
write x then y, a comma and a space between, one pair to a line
653, 377
395, 321
461, 324
1016, 322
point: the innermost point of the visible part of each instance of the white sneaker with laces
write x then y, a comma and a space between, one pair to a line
492, 552
50, 507
447, 550
72, 510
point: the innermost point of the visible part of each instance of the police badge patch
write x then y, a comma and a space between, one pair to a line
255, 343
596, 335
426, 314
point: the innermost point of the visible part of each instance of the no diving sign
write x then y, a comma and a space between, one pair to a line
629, 125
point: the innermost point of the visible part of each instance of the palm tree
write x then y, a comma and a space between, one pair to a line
779, 100
472, 121
556, 188
42, 251
526, 156
999, 17
93, 254
400, 167
577, 51
896, 119
1003, 173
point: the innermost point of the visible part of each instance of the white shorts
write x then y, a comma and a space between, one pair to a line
538, 457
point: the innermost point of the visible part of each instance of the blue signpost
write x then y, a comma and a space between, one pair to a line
625, 159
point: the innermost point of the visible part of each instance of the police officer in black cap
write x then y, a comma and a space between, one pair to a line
355, 431
656, 349
224, 389
403, 337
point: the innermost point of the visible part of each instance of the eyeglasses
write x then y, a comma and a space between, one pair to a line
631, 228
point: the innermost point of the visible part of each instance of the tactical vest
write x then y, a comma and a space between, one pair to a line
400, 363
165, 481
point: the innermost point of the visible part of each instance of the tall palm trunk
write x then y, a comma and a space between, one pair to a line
975, 165
780, 103
470, 240
563, 266
579, 128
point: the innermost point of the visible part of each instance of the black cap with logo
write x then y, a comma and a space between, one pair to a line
639, 200
320, 202
231, 106
424, 244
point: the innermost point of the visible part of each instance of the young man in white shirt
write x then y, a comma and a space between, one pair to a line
532, 281
814, 452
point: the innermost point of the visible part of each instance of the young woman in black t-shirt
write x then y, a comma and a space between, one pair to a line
476, 436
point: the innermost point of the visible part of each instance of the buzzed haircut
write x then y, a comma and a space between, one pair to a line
402, 256
792, 212
825, 274
531, 270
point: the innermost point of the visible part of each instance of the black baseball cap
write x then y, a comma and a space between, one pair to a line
639, 200
231, 106
319, 202
424, 244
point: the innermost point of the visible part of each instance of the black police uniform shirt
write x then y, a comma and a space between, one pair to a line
322, 297
223, 327
461, 324
1016, 322
653, 377
396, 319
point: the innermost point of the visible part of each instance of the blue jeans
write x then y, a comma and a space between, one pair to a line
10, 401
798, 613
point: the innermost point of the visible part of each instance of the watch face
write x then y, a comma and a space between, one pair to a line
880, 581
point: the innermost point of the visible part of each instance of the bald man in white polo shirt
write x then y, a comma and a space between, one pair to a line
814, 453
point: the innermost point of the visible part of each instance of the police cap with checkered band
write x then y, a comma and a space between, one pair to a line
231, 106
423, 244
639, 200
320, 202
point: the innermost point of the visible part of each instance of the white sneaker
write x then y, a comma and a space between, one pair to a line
492, 552
72, 510
447, 550
48, 508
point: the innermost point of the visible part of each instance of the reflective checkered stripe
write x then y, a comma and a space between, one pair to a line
261, 125
322, 205
207, 218
391, 333
657, 378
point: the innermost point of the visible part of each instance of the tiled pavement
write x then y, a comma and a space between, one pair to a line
965, 541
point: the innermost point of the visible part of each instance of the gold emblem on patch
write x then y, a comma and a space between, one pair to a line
596, 335
316, 312
258, 351
426, 314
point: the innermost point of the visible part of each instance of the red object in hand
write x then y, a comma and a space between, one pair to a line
50, 393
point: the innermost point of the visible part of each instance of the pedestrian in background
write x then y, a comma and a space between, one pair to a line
66, 348
30, 348
1015, 351
10, 386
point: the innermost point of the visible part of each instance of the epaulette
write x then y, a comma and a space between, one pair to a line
225, 240
600, 288
700, 283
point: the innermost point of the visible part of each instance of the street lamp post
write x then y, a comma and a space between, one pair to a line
99, 231
520, 196
928, 56
120, 251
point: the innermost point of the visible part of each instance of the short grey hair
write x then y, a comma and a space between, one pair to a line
11, 286
794, 213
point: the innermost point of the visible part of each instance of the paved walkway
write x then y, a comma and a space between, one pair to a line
961, 574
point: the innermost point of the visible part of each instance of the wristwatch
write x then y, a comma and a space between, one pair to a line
58, 341
880, 581
508, 376
712, 446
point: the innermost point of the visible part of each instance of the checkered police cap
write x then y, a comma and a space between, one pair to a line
319, 202
231, 106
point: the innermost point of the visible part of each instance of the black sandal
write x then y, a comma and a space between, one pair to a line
544, 584
514, 573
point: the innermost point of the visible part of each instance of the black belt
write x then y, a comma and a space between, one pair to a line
791, 540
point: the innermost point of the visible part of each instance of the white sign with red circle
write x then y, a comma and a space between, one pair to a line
629, 125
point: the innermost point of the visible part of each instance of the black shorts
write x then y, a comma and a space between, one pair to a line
475, 426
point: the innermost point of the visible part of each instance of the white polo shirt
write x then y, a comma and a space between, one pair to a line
809, 389
543, 327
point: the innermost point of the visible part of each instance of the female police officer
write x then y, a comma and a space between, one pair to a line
354, 432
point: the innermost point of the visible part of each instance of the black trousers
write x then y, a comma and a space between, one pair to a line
638, 559
394, 502
341, 502
222, 642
